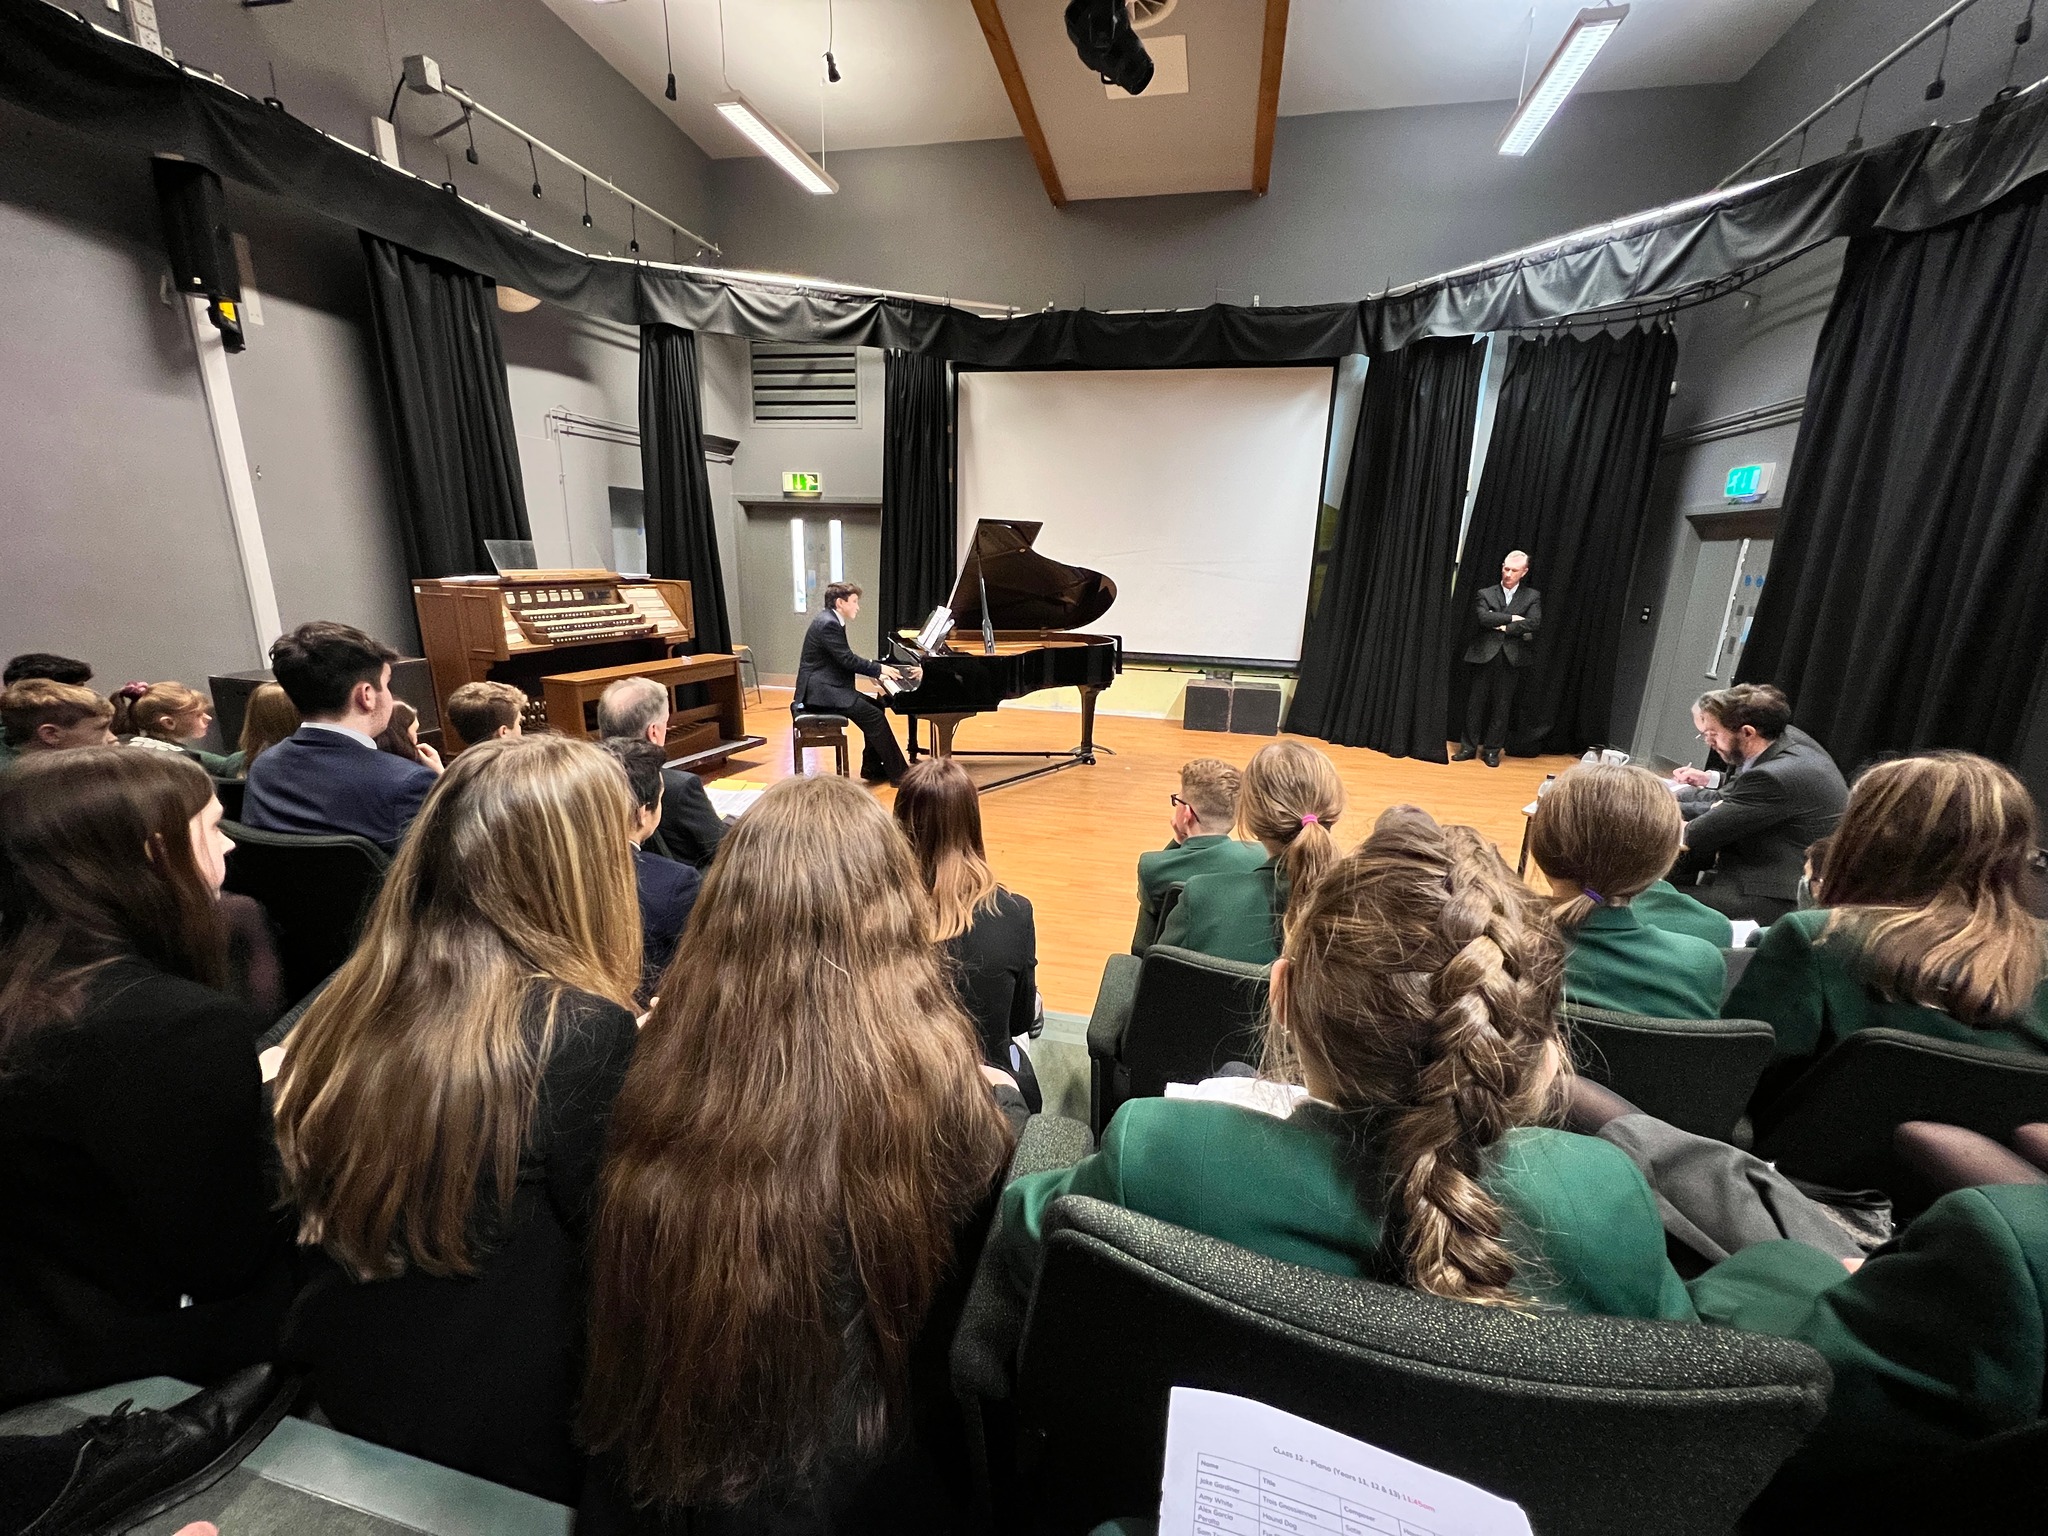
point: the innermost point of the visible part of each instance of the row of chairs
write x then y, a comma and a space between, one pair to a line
316, 892
1178, 1016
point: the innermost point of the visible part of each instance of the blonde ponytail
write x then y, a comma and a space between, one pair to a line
1292, 797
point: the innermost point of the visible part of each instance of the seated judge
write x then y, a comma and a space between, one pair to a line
1746, 839
38, 715
329, 776
824, 683
667, 888
1601, 836
485, 711
691, 828
1923, 923
1204, 816
1291, 799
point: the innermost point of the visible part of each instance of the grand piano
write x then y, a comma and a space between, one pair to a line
1020, 642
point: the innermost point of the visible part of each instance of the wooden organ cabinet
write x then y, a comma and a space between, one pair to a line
562, 637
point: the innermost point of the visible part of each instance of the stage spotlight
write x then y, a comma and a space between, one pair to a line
1100, 31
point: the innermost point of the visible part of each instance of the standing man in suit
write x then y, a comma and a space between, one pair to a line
637, 709
1508, 617
824, 683
1746, 841
328, 776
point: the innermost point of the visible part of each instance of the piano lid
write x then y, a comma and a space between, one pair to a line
1025, 589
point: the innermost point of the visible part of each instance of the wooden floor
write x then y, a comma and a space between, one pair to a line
1070, 841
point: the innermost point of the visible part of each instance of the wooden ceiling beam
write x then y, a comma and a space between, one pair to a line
989, 13
1271, 54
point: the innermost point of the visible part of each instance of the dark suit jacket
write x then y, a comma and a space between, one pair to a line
690, 825
995, 971
1497, 635
134, 1151
828, 666
321, 782
1766, 816
668, 889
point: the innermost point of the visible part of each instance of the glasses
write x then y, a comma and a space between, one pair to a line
1176, 799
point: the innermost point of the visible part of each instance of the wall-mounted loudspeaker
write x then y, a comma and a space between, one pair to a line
196, 239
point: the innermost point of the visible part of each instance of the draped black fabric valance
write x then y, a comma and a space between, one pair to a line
54, 65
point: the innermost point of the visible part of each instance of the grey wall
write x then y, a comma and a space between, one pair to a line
1359, 200
118, 544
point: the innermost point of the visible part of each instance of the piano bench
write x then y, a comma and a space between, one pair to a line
820, 731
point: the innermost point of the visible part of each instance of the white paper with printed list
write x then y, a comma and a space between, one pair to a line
1235, 1467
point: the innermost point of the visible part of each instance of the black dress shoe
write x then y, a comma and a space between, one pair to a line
1464, 754
127, 1467
1490, 757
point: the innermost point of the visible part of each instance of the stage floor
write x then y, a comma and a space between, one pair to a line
1070, 841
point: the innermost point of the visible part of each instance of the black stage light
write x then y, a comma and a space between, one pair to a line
1100, 31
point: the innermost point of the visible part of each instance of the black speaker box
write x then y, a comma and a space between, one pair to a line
1207, 705
1255, 709
195, 229
411, 679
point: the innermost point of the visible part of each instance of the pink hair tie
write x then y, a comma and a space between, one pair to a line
1311, 820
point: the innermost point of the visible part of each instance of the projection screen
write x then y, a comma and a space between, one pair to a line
1195, 490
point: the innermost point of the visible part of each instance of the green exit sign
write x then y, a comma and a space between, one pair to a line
798, 482
1750, 482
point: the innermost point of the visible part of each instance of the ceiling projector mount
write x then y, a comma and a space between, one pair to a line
1102, 34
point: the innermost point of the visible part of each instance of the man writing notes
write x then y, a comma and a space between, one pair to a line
1782, 794
1508, 617
824, 683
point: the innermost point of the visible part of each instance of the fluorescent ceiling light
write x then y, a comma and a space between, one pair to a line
775, 144
1582, 43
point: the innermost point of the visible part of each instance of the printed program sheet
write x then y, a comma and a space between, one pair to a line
1235, 1467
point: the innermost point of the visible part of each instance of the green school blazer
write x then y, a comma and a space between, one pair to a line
1181, 862
1938, 1340
1811, 993
1582, 1219
1617, 960
1234, 916
1665, 906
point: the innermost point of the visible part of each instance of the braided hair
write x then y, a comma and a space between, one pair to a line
1420, 996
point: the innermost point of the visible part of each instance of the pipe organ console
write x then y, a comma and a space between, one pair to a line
562, 636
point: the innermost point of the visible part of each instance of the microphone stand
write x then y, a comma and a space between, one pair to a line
988, 628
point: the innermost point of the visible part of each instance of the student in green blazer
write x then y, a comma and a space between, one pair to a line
1416, 1009
1663, 905
1204, 812
1290, 800
1923, 924
1602, 836
171, 718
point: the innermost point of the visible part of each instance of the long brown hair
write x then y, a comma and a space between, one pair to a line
803, 1128
1926, 876
269, 718
1421, 994
939, 810
1292, 796
417, 1069
96, 846
1611, 831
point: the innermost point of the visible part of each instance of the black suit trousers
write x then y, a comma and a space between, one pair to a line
1491, 702
881, 757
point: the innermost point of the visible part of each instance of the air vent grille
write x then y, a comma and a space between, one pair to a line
796, 383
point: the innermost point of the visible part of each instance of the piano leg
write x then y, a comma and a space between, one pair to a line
1087, 751
943, 727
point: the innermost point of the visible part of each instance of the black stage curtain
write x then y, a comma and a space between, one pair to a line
1907, 603
55, 66
1375, 655
682, 539
1567, 479
918, 539
451, 418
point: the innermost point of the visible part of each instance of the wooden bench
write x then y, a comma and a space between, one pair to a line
700, 736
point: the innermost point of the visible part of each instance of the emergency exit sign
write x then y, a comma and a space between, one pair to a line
798, 482
1750, 482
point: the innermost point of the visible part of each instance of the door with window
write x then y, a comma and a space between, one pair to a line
789, 553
